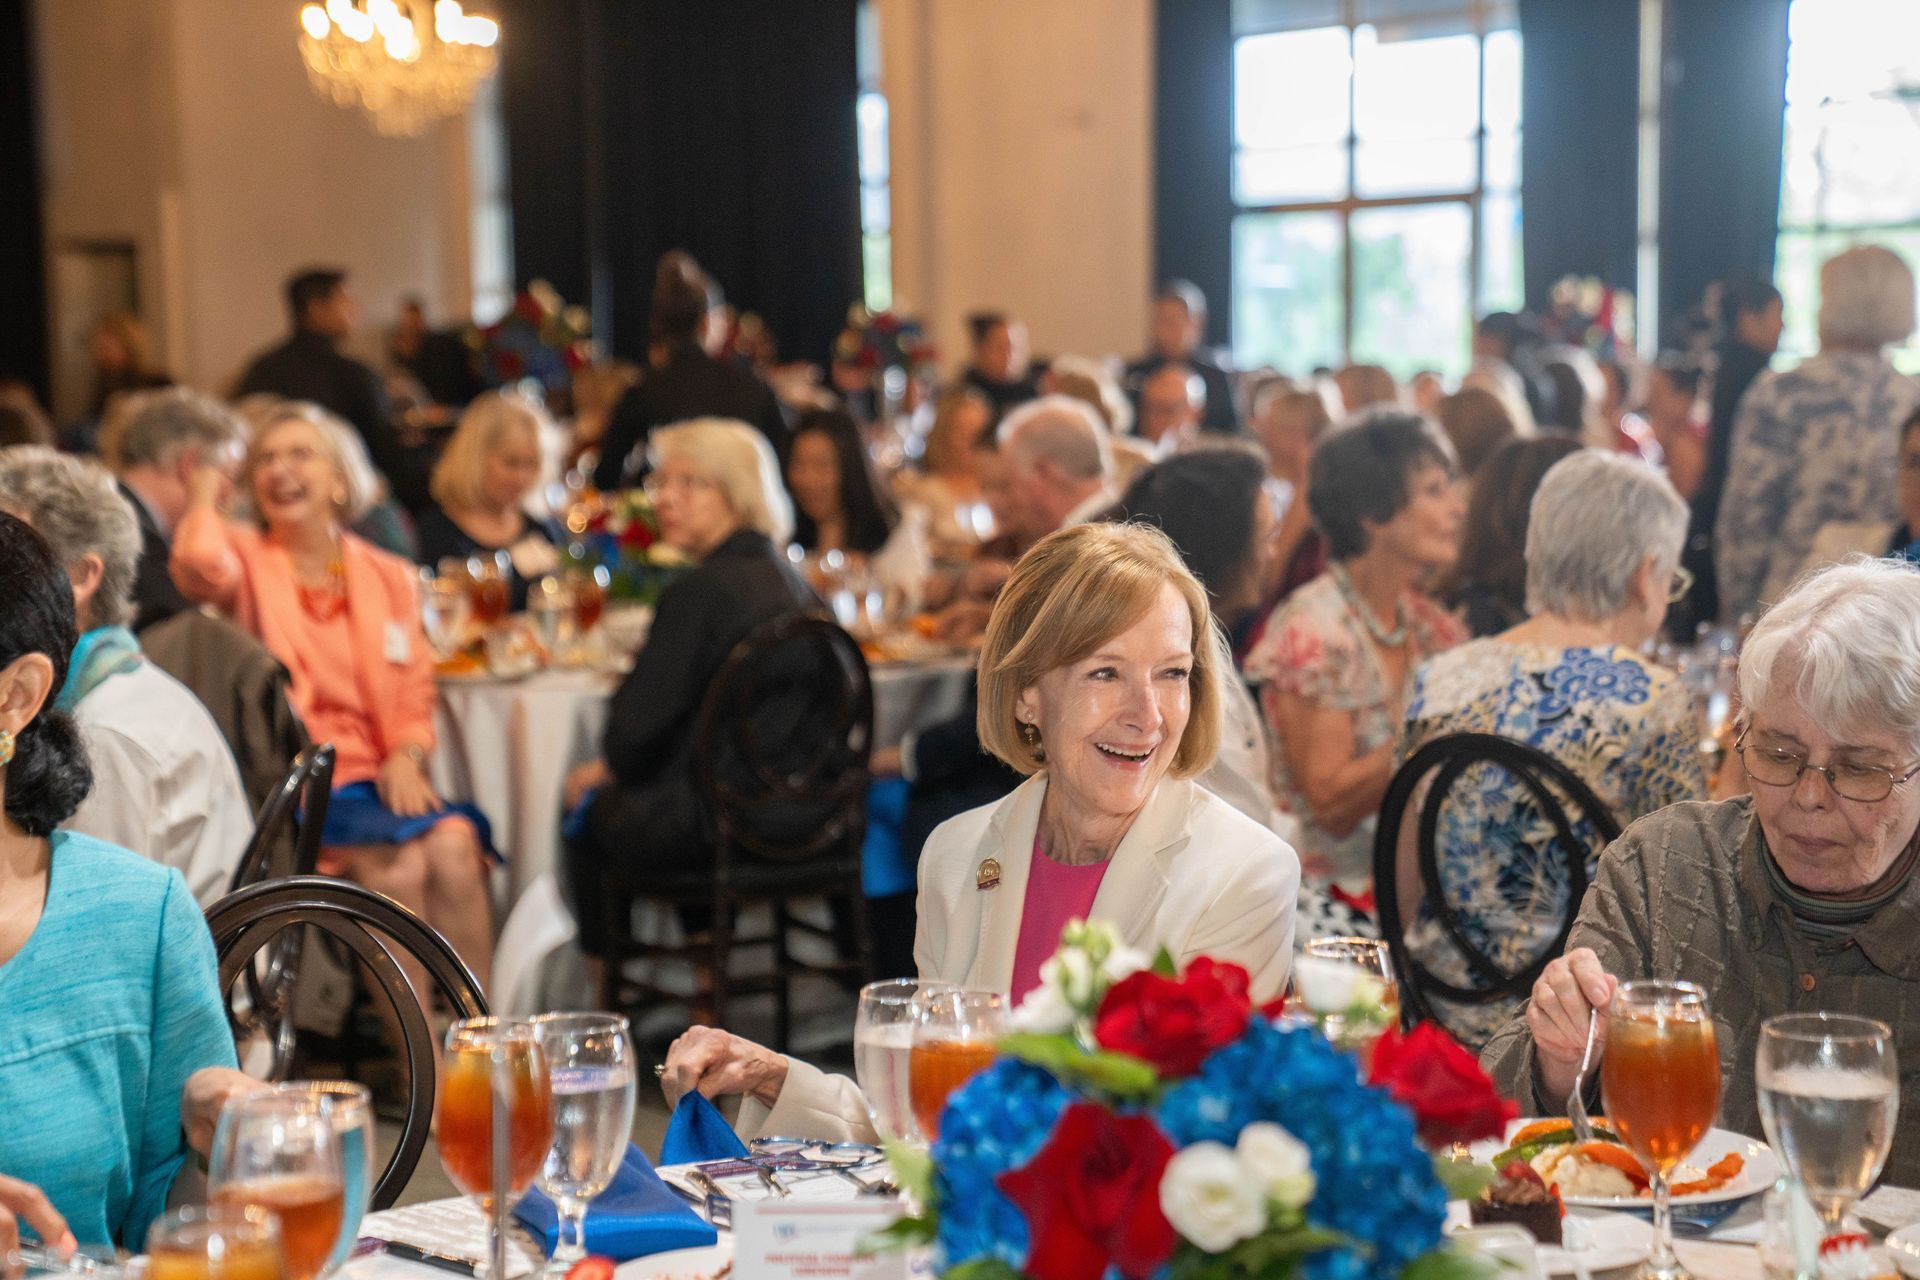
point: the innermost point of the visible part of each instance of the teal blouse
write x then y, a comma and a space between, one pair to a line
111, 1004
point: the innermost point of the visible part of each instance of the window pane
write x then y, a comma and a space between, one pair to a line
1253, 16
876, 269
1851, 48
1286, 290
1502, 287
872, 139
1290, 174
1503, 162
1410, 298
1413, 168
1411, 89
876, 209
1840, 165
1290, 88
1503, 81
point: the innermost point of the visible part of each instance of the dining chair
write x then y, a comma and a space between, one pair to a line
379, 932
1554, 791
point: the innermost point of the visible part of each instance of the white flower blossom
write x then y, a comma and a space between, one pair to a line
1070, 972
1209, 1199
1044, 1012
1278, 1162
1334, 986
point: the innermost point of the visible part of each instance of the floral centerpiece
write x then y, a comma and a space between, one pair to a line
1143, 1122
1587, 312
882, 341
541, 338
621, 532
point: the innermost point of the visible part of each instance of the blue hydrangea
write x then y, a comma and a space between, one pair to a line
1374, 1182
993, 1123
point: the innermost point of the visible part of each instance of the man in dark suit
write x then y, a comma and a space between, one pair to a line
164, 438
309, 365
1178, 325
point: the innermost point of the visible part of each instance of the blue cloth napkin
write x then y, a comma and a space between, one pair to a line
699, 1132
635, 1216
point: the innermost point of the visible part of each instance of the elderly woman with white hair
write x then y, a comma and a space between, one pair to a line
1796, 898
1603, 542
717, 491
164, 783
344, 617
1818, 443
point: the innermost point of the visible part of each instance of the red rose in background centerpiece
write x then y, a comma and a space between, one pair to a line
1091, 1197
1451, 1098
1174, 1023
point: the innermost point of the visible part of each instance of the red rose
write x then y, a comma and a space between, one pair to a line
1174, 1023
1091, 1197
636, 536
1451, 1098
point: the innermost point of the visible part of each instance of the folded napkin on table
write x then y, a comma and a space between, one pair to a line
635, 1216
699, 1132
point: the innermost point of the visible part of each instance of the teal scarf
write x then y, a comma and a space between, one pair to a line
101, 653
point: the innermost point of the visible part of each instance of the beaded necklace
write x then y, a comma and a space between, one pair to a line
1387, 639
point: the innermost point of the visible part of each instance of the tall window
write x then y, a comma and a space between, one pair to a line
876, 199
1376, 173
1853, 135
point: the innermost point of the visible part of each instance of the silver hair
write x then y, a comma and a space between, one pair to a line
158, 424
1866, 297
1595, 518
73, 503
1063, 430
362, 486
1843, 643
739, 462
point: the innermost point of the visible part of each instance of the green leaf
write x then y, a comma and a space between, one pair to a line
1448, 1263
1119, 1075
913, 1173
984, 1269
1271, 1255
1463, 1179
1163, 964
906, 1232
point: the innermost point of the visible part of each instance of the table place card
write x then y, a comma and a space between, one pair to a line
1890, 1208
789, 1240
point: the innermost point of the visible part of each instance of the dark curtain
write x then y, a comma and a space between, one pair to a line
1721, 135
727, 130
1193, 150
1579, 108
23, 304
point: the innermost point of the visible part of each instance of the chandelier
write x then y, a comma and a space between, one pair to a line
406, 63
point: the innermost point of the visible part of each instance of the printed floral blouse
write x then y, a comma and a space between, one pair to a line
1316, 648
1626, 727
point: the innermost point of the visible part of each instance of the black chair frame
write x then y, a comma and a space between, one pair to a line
378, 931
1447, 758
834, 779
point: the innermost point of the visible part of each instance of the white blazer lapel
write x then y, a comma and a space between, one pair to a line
1131, 891
1010, 843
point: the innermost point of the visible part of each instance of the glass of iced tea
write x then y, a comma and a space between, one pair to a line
464, 1115
279, 1152
349, 1108
955, 1037
1661, 1078
487, 576
588, 586
214, 1242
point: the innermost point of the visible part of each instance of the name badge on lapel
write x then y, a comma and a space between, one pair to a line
399, 646
988, 877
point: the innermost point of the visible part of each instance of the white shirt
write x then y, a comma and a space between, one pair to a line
164, 782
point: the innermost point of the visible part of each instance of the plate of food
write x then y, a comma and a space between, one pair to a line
1577, 1244
1603, 1174
1904, 1245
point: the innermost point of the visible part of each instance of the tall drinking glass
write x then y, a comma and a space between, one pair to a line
490, 594
1372, 956
1661, 1077
349, 1108
883, 1048
464, 1115
278, 1152
955, 1036
1829, 1097
214, 1242
590, 1064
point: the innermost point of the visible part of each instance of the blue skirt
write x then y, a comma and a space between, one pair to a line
356, 816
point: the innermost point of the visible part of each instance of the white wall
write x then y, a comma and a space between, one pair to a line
1022, 152
188, 126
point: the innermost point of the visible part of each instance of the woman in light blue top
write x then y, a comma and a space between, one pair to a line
113, 1043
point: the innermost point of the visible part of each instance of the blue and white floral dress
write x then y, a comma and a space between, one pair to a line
1623, 725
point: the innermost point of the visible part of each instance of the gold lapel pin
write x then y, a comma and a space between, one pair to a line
988, 876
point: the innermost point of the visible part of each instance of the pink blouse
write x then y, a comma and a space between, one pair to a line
1056, 893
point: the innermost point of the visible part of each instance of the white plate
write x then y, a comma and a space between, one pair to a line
1761, 1171
1593, 1242
679, 1264
1904, 1245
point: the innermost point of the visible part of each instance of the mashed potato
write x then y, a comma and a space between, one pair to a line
1576, 1175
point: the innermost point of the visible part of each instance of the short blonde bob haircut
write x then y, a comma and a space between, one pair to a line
737, 460
1074, 591
359, 482
486, 427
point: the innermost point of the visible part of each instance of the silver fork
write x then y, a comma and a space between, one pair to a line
1577, 1100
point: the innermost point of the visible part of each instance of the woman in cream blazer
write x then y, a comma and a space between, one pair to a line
1090, 681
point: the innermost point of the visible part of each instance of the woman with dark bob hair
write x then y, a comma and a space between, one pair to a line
1338, 655
1488, 585
112, 1001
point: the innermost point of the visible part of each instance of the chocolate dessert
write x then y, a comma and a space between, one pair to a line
1520, 1197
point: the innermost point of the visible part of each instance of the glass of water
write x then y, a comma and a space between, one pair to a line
590, 1063
882, 1045
1829, 1098
349, 1108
